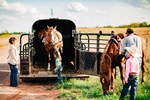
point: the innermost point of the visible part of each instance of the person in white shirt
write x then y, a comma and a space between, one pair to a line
13, 60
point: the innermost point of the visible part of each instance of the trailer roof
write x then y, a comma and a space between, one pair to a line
62, 24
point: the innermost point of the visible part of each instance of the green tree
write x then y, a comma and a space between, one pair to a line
143, 24
109, 26
135, 24
5, 32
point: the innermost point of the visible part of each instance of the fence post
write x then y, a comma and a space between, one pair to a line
98, 40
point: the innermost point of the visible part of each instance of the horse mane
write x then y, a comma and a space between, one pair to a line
116, 42
109, 43
109, 51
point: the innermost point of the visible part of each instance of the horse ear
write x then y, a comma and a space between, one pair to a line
48, 27
45, 31
55, 27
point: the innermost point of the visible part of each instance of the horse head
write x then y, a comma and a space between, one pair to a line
120, 35
105, 73
46, 35
107, 62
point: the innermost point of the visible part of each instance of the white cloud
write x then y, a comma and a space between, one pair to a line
7, 18
99, 11
71, 16
17, 7
139, 3
76, 7
146, 3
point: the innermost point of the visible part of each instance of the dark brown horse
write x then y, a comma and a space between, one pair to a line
111, 58
143, 66
52, 40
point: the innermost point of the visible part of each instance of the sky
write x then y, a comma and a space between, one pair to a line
19, 15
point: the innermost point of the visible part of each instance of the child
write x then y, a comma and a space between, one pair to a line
58, 68
13, 60
131, 73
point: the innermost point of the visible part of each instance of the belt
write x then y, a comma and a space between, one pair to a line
133, 74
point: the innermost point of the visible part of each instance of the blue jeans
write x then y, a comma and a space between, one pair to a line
13, 75
133, 82
59, 79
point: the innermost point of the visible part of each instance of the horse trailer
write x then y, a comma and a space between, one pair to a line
81, 51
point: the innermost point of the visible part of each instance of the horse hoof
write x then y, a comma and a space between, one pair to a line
112, 87
142, 82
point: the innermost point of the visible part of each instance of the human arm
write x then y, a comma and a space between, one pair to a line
123, 45
14, 55
127, 70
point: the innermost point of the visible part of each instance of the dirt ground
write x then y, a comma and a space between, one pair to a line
39, 90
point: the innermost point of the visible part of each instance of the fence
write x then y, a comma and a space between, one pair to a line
88, 49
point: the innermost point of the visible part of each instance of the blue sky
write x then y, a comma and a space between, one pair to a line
19, 15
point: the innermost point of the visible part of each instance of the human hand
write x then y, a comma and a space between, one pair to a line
55, 70
126, 81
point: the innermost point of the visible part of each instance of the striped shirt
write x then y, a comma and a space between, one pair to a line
58, 63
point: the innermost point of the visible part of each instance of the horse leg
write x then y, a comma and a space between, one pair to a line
143, 68
48, 68
61, 48
143, 65
112, 78
121, 67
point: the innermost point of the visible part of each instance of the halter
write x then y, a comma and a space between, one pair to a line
116, 42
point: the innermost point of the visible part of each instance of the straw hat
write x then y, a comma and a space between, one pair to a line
132, 50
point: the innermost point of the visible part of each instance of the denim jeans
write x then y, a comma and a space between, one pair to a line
59, 79
133, 82
13, 75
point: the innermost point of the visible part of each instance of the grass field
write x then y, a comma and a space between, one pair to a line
90, 89
144, 32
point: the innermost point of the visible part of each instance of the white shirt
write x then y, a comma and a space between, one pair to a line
13, 55
129, 41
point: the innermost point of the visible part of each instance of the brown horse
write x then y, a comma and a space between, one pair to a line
143, 66
109, 60
52, 40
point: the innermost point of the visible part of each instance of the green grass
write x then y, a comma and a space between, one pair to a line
77, 89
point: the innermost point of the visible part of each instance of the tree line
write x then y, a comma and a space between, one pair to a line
8, 33
132, 25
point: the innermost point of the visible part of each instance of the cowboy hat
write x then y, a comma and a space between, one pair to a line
132, 50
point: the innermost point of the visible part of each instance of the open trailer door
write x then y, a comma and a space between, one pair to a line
88, 50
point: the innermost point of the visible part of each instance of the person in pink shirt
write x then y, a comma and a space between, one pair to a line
131, 73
